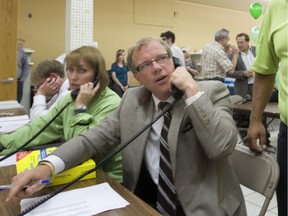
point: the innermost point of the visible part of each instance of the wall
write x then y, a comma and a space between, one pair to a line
114, 28
44, 32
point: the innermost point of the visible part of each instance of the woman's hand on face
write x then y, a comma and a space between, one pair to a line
86, 94
24, 178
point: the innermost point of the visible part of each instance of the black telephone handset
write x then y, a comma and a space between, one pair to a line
75, 93
176, 93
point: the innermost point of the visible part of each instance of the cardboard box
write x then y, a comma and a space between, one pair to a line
29, 160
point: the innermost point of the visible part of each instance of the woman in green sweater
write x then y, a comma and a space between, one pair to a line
91, 106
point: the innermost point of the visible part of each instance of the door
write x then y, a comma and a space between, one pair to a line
8, 49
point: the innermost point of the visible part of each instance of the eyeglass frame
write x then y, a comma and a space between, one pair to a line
149, 63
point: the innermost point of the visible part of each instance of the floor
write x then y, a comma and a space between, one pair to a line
253, 199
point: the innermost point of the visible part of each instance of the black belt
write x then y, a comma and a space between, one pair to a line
215, 78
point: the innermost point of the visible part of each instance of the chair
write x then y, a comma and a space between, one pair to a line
236, 99
259, 172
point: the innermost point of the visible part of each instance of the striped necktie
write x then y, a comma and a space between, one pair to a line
166, 197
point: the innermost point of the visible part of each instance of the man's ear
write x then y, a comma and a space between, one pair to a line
136, 77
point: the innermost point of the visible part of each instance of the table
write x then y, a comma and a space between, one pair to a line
271, 110
14, 112
136, 207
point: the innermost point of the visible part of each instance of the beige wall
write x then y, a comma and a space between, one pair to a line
44, 32
114, 28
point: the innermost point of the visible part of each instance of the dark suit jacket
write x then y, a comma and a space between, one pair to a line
204, 179
241, 82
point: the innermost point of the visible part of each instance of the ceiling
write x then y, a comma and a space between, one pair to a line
239, 5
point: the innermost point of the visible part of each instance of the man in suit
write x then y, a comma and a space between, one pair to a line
201, 136
243, 74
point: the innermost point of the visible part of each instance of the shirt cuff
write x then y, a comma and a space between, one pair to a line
39, 99
191, 100
56, 162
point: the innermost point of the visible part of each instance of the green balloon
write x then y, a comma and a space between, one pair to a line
255, 33
256, 10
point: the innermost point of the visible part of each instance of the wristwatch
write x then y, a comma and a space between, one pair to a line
80, 109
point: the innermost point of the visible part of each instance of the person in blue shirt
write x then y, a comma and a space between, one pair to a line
119, 73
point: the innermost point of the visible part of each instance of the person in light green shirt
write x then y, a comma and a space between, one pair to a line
91, 106
272, 51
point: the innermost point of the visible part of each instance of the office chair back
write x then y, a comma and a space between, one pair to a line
258, 172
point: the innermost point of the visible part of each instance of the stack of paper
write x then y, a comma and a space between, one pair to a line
85, 202
10, 104
10, 124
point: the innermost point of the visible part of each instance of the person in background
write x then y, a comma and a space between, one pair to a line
202, 181
215, 62
272, 51
83, 66
244, 80
119, 73
23, 69
169, 38
191, 65
49, 76
243, 75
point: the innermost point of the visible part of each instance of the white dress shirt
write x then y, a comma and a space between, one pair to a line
248, 60
177, 52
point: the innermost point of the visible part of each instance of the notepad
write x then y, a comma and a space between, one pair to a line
85, 202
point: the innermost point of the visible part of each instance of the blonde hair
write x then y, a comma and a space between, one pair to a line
45, 68
141, 43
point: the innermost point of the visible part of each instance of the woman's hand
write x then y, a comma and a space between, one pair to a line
125, 88
86, 94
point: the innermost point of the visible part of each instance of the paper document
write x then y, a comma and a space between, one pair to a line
85, 202
8, 161
10, 104
10, 124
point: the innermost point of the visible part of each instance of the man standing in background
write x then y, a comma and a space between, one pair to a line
23, 69
215, 62
169, 38
243, 73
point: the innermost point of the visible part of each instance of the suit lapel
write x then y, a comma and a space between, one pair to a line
143, 116
177, 117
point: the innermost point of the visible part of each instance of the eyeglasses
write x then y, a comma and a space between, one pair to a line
161, 59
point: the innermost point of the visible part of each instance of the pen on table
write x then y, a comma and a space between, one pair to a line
43, 182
